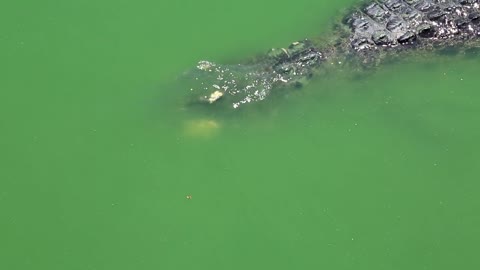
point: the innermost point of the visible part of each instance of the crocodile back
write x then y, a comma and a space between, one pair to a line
393, 23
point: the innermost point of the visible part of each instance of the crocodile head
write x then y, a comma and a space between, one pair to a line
236, 85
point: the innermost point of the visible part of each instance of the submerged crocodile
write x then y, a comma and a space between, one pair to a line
368, 34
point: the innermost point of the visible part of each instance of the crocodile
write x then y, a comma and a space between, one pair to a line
367, 34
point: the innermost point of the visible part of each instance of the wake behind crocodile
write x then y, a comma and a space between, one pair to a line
366, 36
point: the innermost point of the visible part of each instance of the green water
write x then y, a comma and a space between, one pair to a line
98, 153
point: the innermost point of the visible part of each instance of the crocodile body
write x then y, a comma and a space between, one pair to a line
368, 34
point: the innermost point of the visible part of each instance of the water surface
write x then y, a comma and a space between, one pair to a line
99, 153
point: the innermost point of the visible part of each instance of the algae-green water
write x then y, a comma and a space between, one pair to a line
103, 167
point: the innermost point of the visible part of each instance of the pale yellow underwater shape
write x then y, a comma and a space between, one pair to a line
201, 128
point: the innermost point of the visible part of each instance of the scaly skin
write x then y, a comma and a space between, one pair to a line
368, 34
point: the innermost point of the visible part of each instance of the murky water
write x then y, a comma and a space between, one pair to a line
104, 167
